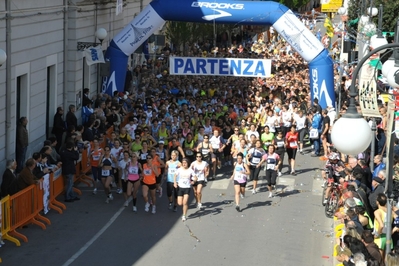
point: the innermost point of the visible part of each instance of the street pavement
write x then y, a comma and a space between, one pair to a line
289, 229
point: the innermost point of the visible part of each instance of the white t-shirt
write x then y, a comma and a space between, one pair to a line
250, 133
199, 169
184, 177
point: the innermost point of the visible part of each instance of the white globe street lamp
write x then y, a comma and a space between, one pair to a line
101, 34
3, 57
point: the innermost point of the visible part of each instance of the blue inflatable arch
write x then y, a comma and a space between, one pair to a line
279, 16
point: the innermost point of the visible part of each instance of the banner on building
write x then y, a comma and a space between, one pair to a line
45, 185
94, 55
368, 91
238, 67
330, 5
119, 7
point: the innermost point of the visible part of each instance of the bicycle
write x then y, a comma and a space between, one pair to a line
332, 201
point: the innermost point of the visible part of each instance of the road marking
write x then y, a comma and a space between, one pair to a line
285, 183
95, 237
220, 183
317, 190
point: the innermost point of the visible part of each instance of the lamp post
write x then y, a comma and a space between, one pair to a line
101, 34
352, 123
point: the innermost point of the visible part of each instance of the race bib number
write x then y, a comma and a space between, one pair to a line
147, 171
255, 160
96, 157
300, 124
270, 166
185, 182
161, 155
280, 144
293, 144
105, 172
205, 151
143, 157
172, 171
133, 170
189, 152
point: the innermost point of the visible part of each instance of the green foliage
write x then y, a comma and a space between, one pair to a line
390, 13
294, 4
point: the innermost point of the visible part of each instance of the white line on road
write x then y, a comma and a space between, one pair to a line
317, 190
220, 183
95, 237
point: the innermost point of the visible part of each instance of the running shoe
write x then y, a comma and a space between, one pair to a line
183, 218
126, 204
325, 201
170, 206
279, 174
160, 192
238, 208
229, 162
293, 173
112, 184
147, 207
241, 195
154, 209
110, 196
253, 191
270, 194
219, 165
95, 191
107, 200
134, 208
119, 191
175, 209
199, 206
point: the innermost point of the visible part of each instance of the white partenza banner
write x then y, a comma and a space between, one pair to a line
239, 67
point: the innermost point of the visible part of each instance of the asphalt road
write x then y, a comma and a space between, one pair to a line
289, 229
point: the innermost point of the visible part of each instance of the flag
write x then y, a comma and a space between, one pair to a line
329, 27
94, 55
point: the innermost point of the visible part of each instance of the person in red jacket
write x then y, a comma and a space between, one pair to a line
291, 142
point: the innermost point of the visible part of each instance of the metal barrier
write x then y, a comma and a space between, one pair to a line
24, 210
6, 221
56, 188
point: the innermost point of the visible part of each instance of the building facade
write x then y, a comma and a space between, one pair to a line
44, 68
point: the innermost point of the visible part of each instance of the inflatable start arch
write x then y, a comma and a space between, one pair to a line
279, 16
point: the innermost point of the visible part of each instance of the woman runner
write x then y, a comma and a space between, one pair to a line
291, 142
133, 171
273, 161
171, 168
150, 171
183, 180
106, 172
254, 158
240, 173
201, 171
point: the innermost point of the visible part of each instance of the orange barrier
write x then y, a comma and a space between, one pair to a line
56, 188
24, 210
6, 221
40, 201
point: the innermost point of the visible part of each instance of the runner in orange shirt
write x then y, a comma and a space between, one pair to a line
94, 160
148, 182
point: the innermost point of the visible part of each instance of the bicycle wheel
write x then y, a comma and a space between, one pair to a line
331, 205
324, 193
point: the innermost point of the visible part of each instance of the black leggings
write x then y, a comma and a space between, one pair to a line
254, 175
170, 189
271, 176
281, 154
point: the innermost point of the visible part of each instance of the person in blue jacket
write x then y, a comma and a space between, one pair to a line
317, 122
